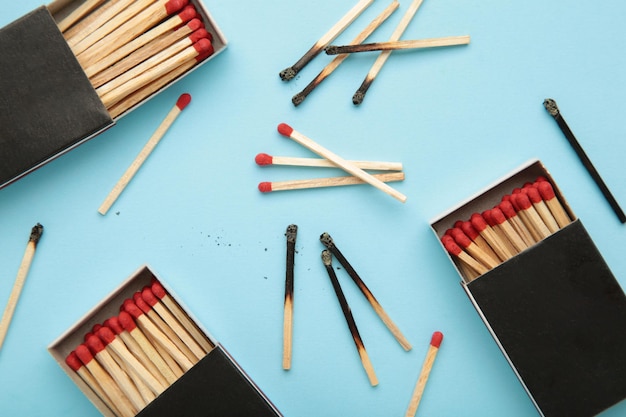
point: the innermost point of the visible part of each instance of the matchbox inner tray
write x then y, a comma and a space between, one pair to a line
215, 386
555, 310
48, 103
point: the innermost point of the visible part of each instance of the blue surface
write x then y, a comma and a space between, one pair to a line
458, 118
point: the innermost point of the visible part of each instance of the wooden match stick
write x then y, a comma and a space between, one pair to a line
20, 279
490, 236
547, 193
498, 231
181, 316
327, 241
553, 109
187, 15
529, 216
94, 20
511, 234
264, 159
473, 249
509, 212
328, 69
109, 386
542, 209
455, 250
382, 58
267, 187
431, 355
347, 313
289, 73
155, 357
78, 14
181, 103
473, 234
131, 29
286, 130
398, 45
291, 233
77, 366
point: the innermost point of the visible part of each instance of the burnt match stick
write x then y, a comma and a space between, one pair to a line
382, 58
78, 14
268, 187
289, 73
182, 102
265, 159
347, 313
553, 109
286, 130
398, 45
22, 273
395, 331
328, 69
433, 349
291, 233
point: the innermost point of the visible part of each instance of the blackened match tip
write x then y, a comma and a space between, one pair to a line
298, 99
35, 233
358, 97
551, 106
291, 233
326, 240
331, 50
287, 74
327, 257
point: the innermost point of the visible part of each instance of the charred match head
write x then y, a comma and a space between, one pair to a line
35, 233
326, 240
551, 106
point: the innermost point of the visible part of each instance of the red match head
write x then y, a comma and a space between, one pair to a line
139, 302
94, 344
263, 159
106, 335
73, 362
149, 297
96, 327
285, 130
198, 34
533, 195
450, 245
183, 101
203, 46
131, 308
469, 230
507, 209
521, 201
460, 238
546, 190
173, 6
478, 222
265, 187
436, 340
114, 324
127, 322
488, 217
497, 215
158, 290
84, 354
188, 14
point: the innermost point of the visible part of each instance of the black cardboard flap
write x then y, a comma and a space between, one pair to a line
560, 317
47, 104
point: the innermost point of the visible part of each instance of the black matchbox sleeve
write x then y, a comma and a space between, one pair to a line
559, 316
47, 104
214, 387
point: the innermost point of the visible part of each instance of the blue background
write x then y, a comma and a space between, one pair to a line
458, 118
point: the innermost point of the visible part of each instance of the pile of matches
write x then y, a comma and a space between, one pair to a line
130, 359
523, 218
130, 49
357, 45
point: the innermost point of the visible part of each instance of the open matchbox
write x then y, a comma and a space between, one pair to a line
555, 310
215, 386
48, 104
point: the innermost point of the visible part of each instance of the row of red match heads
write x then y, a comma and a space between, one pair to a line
522, 201
103, 334
200, 37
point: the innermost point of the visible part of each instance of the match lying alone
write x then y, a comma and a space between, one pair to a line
522, 218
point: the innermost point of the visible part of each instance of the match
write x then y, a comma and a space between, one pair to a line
327, 241
557, 210
268, 187
291, 233
354, 331
431, 355
181, 103
286, 130
93, 21
332, 66
453, 249
553, 109
20, 279
398, 45
264, 159
78, 13
472, 248
290, 72
382, 58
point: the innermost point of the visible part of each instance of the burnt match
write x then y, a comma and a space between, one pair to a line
291, 233
328, 69
553, 109
22, 273
290, 72
398, 45
359, 95
327, 241
354, 331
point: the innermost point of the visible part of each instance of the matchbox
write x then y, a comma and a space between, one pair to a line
212, 385
60, 90
554, 309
